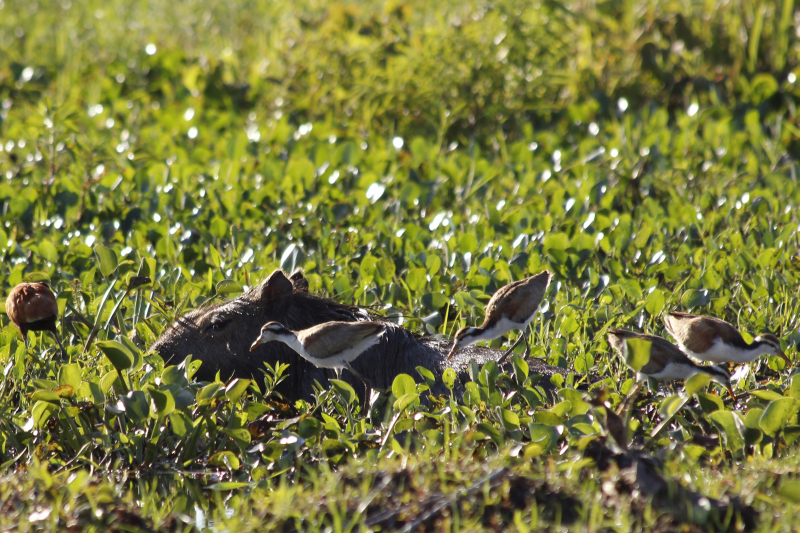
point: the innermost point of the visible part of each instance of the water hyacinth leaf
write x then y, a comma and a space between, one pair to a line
41, 412
107, 260
36, 277
42, 395
225, 459
309, 427
117, 353
731, 427
510, 419
490, 431
65, 391
417, 279
776, 414
427, 375
637, 353
449, 378
163, 402
136, 406
91, 391
235, 389
695, 298
344, 390
228, 286
521, 367
403, 384
405, 401
174, 375
208, 393
696, 383
70, 374
654, 303
48, 251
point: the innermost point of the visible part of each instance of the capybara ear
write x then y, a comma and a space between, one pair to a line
299, 281
276, 286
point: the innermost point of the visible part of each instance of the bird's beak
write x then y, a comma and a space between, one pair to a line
730, 390
256, 344
783, 356
453, 351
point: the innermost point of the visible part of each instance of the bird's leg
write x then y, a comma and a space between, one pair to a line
357, 374
58, 340
505, 355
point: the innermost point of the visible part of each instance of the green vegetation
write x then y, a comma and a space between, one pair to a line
413, 157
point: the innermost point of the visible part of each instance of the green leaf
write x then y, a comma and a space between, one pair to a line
70, 375
344, 390
41, 412
654, 303
696, 383
136, 406
181, 424
107, 259
491, 432
695, 298
403, 384
405, 401
790, 490
228, 286
385, 270
510, 419
208, 393
42, 395
163, 403
731, 427
236, 389
427, 375
309, 427
225, 459
449, 378
65, 391
117, 353
637, 353
521, 367
417, 279
776, 414
48, 251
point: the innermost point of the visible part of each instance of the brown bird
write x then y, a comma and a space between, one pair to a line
33, 307
511, 307
709, 339
330, 345
666, 362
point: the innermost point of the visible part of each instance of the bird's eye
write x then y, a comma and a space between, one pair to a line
216, 324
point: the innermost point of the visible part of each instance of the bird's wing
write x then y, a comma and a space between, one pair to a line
524, 301
698, 333
332, 338
663, 352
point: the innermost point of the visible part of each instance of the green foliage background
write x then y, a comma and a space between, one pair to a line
413, 157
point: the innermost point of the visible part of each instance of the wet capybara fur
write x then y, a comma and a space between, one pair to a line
221, 335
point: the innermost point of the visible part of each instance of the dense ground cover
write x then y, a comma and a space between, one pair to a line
412, 157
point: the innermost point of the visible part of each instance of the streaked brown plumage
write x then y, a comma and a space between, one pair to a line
33, 307
511, 307
667, 361
710, 339
329, 345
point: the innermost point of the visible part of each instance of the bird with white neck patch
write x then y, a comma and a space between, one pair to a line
331, 345
709, 339
667, 362
511, 307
